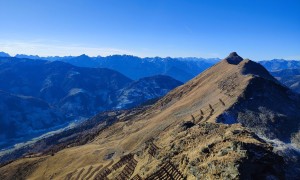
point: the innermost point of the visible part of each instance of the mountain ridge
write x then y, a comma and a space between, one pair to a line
182, 128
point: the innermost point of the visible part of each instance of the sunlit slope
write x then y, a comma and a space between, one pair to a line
177, 137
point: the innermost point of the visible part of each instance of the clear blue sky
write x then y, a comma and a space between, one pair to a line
256, 29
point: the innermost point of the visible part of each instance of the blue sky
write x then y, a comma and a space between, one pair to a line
256, 29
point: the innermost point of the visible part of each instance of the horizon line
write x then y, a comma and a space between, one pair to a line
141, 57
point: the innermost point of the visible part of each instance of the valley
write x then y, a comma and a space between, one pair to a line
38, 95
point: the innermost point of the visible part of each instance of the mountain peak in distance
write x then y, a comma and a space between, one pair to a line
234, 58
248, 67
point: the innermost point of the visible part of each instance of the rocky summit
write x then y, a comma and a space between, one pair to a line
234, 58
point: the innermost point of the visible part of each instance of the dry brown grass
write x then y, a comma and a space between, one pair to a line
162, 122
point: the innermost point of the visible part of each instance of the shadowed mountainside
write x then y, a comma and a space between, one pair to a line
23, 116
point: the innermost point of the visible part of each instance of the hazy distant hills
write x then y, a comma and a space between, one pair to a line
286, 71
289, 77
3, 54
40, 94
280, 64
182, 69
135, 67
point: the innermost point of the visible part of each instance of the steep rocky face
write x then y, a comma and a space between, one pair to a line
274, 114
265, 106
178, 136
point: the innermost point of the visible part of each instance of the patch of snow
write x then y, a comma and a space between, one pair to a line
75, 91
295, 85
280, 146
47, 83
24, 97
72, 73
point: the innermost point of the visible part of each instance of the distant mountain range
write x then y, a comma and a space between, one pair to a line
287, 72
182, 69
289, 77
3, 54
79, 87
38, 94
280, 64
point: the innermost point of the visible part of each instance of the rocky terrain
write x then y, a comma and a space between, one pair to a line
212, 127
226, 152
